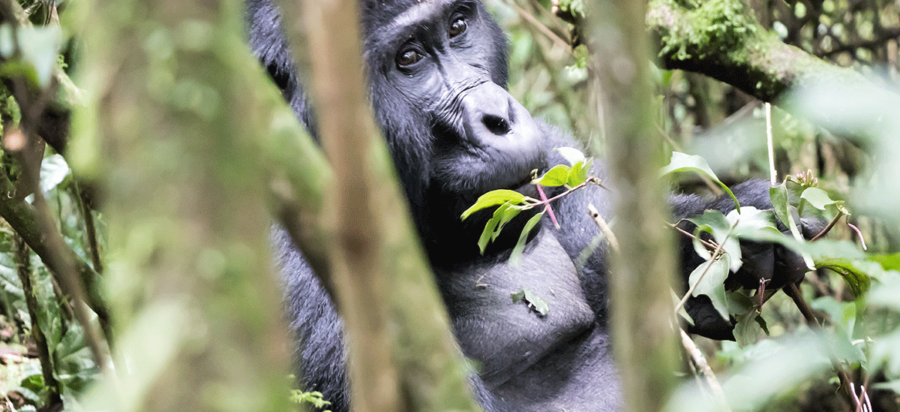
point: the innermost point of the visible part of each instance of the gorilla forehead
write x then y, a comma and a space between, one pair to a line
396, 23
384, 13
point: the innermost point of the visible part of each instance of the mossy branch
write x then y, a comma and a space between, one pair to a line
722, 39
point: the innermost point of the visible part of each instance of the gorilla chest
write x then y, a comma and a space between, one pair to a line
507, 337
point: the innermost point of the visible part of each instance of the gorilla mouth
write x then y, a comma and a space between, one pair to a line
525, 187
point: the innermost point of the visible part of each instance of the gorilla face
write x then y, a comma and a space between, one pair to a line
454, 131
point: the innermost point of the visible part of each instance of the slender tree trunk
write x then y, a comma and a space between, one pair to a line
642, 325
402, 354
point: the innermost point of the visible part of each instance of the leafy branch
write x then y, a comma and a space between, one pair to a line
510, 203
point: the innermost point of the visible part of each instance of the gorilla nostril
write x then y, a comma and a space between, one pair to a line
496, 124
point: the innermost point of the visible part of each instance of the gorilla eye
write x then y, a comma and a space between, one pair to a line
458, 27
408, 58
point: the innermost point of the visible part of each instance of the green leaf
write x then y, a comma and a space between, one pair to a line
572, 155
493, 198
505, 215
557, 176
579, 173
713, 283
39, 47
489, 228
523, 237
719, 226
781, 205
533, 301
687, 163
739, 302
751, 219
888, 262
857, 279
746, 331
817, 198
53, 171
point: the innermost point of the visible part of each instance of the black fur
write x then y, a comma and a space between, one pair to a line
455, 133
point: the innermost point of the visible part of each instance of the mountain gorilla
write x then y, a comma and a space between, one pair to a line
438, 71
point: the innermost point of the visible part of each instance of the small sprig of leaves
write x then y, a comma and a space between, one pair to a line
533, 301
313, 398
510, 203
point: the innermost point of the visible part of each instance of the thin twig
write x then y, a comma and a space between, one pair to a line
90, 228
714, 256
604, 227
773, 174
700, 362
829, 227
540, 26
589, 180
708, 245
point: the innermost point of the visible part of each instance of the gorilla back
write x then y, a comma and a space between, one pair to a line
437, 72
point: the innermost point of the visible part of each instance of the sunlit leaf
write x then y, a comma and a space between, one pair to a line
557, 176
712, 283
523, 237
53, 171
688, 163
579, 173
489, 228
493, 198
573, 156
716, 224
507, 214
817, 198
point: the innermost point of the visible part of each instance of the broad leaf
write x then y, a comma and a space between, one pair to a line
716, 224
712, 283
572, 155
557, 176
523, 237
817, 198
856, 278
747, 329
687, 163
493, 198
579, 173
53, 171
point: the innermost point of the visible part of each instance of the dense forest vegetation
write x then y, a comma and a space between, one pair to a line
145, 156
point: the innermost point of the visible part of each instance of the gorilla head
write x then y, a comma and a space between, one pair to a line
438, 72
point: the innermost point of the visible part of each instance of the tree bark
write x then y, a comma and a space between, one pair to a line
402, 354
642, 273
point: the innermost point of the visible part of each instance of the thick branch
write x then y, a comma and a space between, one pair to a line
722, 39
50, 246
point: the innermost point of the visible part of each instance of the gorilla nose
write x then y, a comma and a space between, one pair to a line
491, 112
